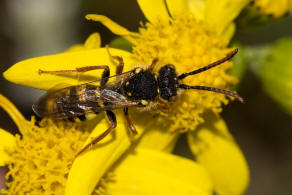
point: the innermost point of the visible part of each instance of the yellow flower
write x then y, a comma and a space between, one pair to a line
196, 34
273, 8
38, 159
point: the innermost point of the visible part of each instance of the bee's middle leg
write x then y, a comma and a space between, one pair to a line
112, 118
132, 128
120, 66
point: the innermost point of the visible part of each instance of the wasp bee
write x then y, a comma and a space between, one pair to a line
139, 87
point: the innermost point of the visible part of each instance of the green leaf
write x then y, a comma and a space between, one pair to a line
121, 43
276, 74
239, 60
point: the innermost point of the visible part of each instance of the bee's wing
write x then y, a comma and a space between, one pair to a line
81, 99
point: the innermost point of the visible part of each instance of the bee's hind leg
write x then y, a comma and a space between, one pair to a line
112, 118
104, 77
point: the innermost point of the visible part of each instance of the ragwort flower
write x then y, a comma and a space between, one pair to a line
196, 34
39, 162
38, 159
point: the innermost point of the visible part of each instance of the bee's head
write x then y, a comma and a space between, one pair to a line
167, 82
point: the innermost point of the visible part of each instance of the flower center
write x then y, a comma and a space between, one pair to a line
40, 162
188, 45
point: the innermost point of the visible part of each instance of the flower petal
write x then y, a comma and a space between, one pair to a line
92, 164
177, 7
229, 32
197, 8
156, 136
92, 42
14, 113
27, 72
153, 9
111, 25
219, 14
154, 172
7, 141
216, 150
272, 8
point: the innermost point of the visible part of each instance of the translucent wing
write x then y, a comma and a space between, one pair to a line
78, 100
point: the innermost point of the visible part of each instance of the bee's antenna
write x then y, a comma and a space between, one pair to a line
228, 57
226, 92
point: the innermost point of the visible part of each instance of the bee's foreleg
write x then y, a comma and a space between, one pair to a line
120, 66
112, 118
152, 65
130, 123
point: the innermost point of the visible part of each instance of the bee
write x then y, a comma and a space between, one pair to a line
139, 88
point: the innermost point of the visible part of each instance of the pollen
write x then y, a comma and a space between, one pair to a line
41, 160
144, 102
138, 70
189, 45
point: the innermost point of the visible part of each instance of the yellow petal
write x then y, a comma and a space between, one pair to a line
76, 47
13, 112
274, 8
177, 7
153, 172
92, 42
197, 8
219, 14
7, 142
289, 7
27, 72
156, 137
93, 164
217, 151
229, 32
153, 9
111, 25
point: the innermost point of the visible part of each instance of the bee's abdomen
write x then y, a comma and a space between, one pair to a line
69, 102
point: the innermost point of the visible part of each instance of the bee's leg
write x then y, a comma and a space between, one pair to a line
152, 65
82, 117
112, 118
120, 66
104, 77
130, 123
163, 107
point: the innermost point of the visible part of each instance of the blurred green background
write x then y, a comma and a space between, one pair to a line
30, 28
